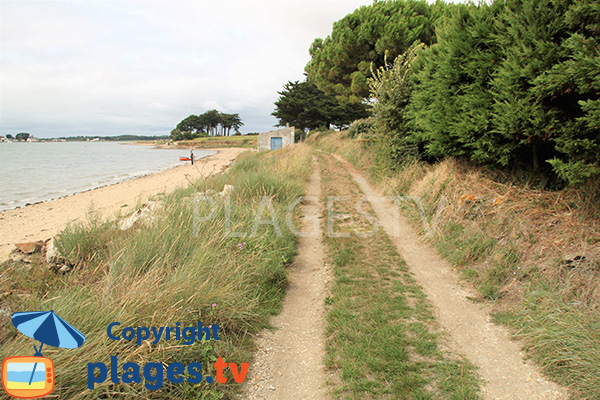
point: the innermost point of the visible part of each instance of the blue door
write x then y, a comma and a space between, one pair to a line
276, 143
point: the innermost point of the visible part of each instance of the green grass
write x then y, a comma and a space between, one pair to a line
553, 309
161, 274
383, 341
561, 335
465, 247
247, 141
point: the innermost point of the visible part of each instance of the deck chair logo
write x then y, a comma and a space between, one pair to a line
33, 377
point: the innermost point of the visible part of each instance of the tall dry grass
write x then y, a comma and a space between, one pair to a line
533, 254
159, 274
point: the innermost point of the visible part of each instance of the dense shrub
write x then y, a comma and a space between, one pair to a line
510, 84
362, 126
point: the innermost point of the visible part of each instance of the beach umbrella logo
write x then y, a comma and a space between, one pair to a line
33, 377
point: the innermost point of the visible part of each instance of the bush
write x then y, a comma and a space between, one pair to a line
176, 269
508, 84
85, 242
392, 88
364, 126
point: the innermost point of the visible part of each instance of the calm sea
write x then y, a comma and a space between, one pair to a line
32, 172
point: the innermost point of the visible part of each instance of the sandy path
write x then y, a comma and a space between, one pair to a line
44, 220
289, 363
486, 345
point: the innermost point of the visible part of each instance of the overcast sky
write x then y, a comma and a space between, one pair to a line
139, 67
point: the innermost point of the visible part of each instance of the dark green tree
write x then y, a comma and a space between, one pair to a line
236, 123
342, 62
512, 83
532, 32
571, 90
9, 136
176, 134
212, 122
451, 105
190, 124
304, 106
211, 119
22, 136
230, 121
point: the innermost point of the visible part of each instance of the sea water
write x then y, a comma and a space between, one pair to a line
34, 172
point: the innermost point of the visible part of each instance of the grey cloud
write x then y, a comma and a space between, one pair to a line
100, 67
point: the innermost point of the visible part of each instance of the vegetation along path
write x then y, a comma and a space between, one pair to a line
383, 341
486, 345
289, 363
398, 325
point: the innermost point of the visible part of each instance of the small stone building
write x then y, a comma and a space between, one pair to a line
274, 140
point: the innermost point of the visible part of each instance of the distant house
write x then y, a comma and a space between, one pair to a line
274, 140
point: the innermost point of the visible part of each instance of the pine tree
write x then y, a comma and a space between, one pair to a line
531, 36
451, 106
572, 90
341, 63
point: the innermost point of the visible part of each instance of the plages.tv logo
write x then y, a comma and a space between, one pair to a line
33, 377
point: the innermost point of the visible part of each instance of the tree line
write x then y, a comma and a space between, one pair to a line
118, 138
510, 83
23, 136
211, 123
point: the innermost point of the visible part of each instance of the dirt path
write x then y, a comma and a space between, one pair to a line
486, 345
289, 363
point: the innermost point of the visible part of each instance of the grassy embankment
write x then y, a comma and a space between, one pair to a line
161, 274
212, 142
246, 141
518, 246
383, 340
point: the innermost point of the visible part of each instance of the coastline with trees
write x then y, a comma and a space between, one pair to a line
211, 123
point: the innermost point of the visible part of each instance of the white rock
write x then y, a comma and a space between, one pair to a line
143, 214
227, 190
52, 255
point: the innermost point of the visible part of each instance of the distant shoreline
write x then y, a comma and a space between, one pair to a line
43, 220
100, 186
92, 185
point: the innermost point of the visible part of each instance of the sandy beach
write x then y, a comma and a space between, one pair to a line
44, 220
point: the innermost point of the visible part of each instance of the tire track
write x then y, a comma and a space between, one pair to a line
289, 362
488, 346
